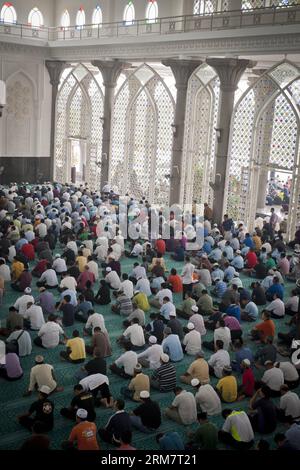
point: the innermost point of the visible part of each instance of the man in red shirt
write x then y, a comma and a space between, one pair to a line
251, 259
160, 246
246, 389
84, 433
84, 277
28, 251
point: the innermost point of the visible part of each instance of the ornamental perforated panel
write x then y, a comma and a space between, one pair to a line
142, 136
78, 112
199, 140
284, 135
264, 133
252, 4
205, 6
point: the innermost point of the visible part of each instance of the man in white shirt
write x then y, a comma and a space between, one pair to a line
125, 364
22, 302
117, 250
73, 246
23, 339
192, 342
101, 252
42, 375
93, 267
136, 251
34, 317
59, 264
183, 409
161, 294
127, 286
95, 320
41, 229
98, 383
143, 285
4, 270
218, 360
68, 282
134, 335
289, 404
197, 320
48, 336
187, 276
167, 309
207, 398
276, 307
237, 430
112, 279
48, 279
150, 358
290, 374
273, 378
138, 272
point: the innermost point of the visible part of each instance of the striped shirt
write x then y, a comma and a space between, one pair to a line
125, 305
166, 375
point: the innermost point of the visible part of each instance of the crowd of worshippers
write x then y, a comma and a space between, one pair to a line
36, 222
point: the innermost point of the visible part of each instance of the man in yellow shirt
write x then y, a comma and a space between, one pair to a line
81, 261
75, 349
227, 386
16, 269
141, 300
198, 370
139, 383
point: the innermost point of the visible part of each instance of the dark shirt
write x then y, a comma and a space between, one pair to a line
267, 419
96, 366
259, 296
266, 353
85, 400
149, 413
260, 271
176, 327
166, 376
103, 295
157, 330
43, 410
120, 422
68, 314
36, 442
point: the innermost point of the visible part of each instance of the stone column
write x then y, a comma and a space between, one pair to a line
110, 70
55, 69
229, 72
182, 70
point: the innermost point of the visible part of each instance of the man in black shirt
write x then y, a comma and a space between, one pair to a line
68, 311
264, 420
146, 417
97, 365
117, 424
43, 409
82, 399
175, 326
38, 440
258, 294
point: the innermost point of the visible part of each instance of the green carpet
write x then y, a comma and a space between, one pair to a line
13, 404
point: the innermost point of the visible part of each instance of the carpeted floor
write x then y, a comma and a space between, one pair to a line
13, 404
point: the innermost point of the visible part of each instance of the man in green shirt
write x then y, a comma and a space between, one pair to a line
205, 437
184, 310
270, 263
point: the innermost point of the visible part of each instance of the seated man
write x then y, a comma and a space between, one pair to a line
164, 378
125, 364
264, 419
82, 399
84, 434
265, 329
227, 386
146, 417
75, 352
117, 424
43, 409
237, 430
138, 383
183, 409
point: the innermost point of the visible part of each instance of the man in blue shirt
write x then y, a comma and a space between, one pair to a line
234, 310
275, 288
241, 353
169, 441
171, 345
248, 241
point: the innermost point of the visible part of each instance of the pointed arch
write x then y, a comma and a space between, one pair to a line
152, 11
35, 18
142, 133
65, 19
129, 14
8, 13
